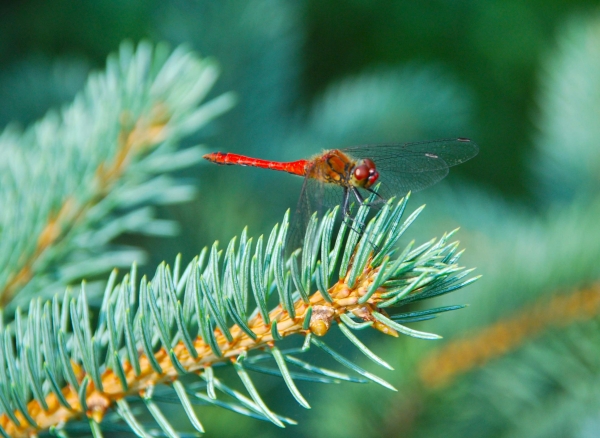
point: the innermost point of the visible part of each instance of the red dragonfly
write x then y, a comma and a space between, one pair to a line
338, 175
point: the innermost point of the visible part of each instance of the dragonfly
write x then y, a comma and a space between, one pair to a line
339, 176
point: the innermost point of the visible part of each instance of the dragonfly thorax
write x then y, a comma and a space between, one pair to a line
336, 167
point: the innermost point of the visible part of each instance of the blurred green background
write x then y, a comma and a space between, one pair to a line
521, 78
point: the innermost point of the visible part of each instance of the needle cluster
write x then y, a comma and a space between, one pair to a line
80, 177
60, 364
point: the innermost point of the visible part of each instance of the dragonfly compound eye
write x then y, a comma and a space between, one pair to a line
365, 173
361, 172
369, 163
373, 177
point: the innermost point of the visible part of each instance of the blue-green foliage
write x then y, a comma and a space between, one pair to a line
77, 179
298, 73
214, 291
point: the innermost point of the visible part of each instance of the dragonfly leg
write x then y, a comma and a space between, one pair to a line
361, 200
351, 222
381, 198
348, 219
360, 229
346, 206
357, 195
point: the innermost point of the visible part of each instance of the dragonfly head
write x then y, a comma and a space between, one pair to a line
364, 173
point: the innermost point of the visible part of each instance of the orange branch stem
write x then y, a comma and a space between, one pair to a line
497, 340
99, 402
132, 141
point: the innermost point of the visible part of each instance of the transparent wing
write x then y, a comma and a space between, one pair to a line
316, 196
425, 156
399, 184
408, 167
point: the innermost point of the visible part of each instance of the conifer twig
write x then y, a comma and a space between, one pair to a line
187, 321
67, 181
506, 335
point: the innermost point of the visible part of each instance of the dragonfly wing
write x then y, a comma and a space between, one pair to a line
426, 156
393, 183
316, 196
408, 167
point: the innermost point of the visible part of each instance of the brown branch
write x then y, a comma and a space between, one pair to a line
345, 299
134, 139
463, 355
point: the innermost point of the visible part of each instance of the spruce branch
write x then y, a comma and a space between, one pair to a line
60, 365
533, 366
509, 334
77, 179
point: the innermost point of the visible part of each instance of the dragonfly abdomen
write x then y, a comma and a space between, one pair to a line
293, 167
